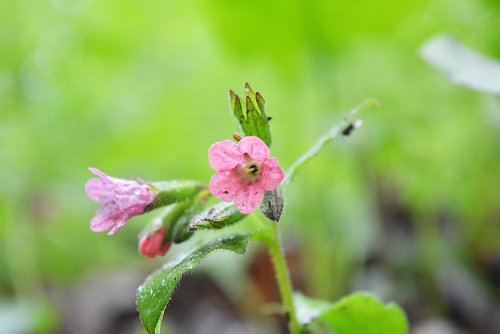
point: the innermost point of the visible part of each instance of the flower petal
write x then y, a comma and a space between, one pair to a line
248, 199
132, 194
97, 172
147, 247
255, 148
99, 190
106, 217
224, 155
272, 174
118, 226
225, 185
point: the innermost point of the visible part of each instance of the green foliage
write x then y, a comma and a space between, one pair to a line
252, 120
180, 230
155, 293
167, 217
362, 313
359, 313
216, 217
183, 200
138, 82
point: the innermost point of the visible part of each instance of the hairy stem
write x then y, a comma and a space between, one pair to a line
283, 278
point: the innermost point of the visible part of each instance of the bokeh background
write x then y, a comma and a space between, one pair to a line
407, 207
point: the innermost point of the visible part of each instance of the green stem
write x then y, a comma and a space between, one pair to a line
283, 278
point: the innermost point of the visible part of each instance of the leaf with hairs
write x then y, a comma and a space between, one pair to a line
155, 293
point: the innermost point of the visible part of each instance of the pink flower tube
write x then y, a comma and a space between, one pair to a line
120, 200
245, 172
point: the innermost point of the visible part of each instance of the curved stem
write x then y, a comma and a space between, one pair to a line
283, 278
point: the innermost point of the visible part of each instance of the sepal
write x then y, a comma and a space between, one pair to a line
252, 119
169, 192
273, 203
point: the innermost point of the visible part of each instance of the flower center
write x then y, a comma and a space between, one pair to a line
250, 170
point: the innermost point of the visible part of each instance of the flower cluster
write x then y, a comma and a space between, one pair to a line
244, 173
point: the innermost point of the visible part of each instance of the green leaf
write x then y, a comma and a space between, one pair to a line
155, 293
360, 313
216, 217
181, 231
273, 203
252, 120
334, 132
169, 192
167, 217
463, 65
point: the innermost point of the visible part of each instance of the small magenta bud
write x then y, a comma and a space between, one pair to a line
152, 245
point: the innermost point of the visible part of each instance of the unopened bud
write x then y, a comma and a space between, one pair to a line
154, 244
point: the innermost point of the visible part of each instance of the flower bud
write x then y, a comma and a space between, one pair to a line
154, 244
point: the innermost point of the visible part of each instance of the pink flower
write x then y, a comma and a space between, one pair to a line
245, 172
152, 245
120, 200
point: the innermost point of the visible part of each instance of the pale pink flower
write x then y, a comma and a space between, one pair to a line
245, 172
120, 200
152, 245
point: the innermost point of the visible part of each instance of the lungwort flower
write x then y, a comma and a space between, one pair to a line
245, 172
120, 200
154, 244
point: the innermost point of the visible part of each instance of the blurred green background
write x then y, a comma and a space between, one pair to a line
408, 207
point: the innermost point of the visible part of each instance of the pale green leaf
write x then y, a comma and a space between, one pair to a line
363, 313
463, 65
